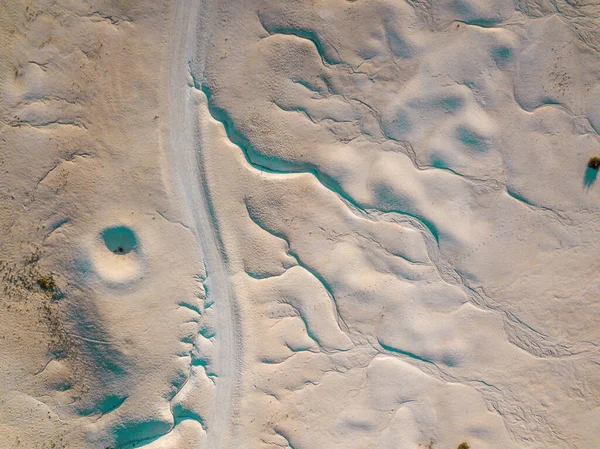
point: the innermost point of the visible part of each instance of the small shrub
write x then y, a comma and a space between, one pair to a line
594, 162
464, 445
47, 283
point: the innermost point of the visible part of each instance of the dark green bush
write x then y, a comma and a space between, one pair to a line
594, 162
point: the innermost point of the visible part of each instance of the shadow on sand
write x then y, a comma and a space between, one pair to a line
590, 177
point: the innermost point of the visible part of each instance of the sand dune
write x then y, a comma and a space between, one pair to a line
309, 224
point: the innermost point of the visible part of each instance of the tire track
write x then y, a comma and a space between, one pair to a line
185, 154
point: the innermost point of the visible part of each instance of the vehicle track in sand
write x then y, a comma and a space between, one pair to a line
189, 31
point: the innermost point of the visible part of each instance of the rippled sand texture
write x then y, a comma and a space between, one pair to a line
300, 224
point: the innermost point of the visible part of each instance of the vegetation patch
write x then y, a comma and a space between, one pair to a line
47, 283
594, 162
26, 288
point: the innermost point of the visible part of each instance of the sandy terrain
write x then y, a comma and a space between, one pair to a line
299, 224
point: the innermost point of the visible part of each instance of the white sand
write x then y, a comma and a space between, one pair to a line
331, 224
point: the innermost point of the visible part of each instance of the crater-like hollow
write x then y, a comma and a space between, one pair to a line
119, 239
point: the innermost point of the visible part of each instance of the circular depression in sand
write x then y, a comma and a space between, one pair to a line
120, 240
117, 256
